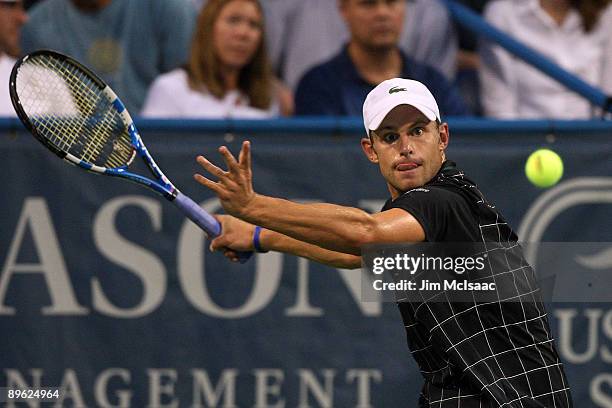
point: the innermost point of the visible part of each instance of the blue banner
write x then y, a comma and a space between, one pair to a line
109, 293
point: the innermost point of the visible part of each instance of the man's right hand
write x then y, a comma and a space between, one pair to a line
236, 236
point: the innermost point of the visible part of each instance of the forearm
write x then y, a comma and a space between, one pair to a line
336, 228
333, 227
274, 241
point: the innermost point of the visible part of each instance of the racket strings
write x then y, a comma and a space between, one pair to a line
72, 112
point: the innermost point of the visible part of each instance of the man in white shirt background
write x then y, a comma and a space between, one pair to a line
12, 17
578, 39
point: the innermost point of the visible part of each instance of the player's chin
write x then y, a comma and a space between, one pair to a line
410, 179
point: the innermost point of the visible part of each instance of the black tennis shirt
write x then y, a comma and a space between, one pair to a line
480, 354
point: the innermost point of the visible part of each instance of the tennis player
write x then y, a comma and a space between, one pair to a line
480, 354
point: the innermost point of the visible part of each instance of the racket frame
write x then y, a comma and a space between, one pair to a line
161, 185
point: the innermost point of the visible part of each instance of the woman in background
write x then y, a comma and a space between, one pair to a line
228, 74
574, 34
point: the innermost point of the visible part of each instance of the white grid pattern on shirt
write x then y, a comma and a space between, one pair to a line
479, 384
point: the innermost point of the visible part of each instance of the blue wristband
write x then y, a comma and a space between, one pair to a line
256, 243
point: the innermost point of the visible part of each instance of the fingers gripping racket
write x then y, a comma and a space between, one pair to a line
79, 118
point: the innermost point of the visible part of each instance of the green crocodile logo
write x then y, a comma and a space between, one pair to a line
396, 89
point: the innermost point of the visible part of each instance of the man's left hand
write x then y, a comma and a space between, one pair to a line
234, 186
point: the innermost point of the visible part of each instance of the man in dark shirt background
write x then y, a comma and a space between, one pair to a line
339, 86
480, 354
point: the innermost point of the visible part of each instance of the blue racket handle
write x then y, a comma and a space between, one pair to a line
204, 220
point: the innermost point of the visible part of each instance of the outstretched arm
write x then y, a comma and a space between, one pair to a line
333, 227
237, 235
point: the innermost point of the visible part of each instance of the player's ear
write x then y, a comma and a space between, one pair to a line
444, 136
368, 148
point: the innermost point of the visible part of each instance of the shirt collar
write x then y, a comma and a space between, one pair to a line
532, 8
350, 70
448, 169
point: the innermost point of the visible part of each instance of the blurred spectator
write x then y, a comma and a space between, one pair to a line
228, 74
302, 34
468, 60
575, 34
12, 17
127, 42
340, 85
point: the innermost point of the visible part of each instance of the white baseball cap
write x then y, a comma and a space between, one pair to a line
394, 92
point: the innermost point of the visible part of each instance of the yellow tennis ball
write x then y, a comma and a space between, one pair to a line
544, 168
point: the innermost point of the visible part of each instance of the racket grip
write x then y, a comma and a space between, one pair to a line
204, 220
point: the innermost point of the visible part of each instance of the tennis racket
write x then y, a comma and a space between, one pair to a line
79, 118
